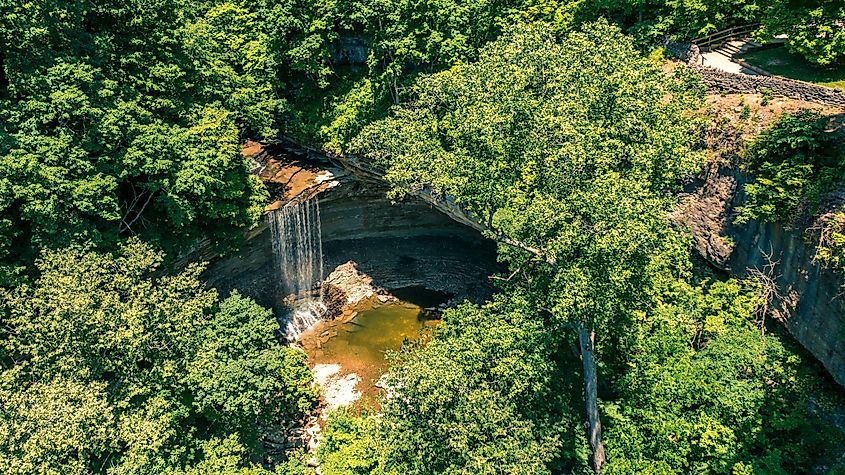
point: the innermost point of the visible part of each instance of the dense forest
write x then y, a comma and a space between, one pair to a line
608, 346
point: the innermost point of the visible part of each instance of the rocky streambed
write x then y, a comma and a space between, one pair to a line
348, 350
389, 268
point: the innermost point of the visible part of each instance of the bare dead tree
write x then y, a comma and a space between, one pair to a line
767, 289
125, 222
508, 279
587, 342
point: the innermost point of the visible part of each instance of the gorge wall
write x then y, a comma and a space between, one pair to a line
809, 300
433, 243
399, 245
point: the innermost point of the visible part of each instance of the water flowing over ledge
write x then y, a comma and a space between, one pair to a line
410, 243
298, 251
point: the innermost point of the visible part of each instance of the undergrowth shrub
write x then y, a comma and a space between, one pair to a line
793, 163
830, 250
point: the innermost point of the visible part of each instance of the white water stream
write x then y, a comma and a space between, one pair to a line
298, 251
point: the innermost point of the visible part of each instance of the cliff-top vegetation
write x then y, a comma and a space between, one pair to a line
606, 350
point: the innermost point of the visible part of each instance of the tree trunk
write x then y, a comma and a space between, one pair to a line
587, 339
4, 82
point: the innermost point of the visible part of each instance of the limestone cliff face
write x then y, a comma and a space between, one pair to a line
398, 245
810, 301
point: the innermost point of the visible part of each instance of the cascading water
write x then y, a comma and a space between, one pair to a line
298, 250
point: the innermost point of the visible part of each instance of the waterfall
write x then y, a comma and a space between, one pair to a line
298, 252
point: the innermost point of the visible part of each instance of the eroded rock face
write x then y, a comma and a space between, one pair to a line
809, 301
344, 288
397, 245
705, 211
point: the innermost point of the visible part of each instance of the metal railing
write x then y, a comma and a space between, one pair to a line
714, 40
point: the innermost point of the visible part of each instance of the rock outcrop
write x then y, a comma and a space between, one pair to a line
705, 210
809, 299
398, 245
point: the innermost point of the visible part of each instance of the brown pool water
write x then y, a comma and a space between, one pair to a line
359, 345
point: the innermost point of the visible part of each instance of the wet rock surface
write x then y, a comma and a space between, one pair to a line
397, 245
354, 285
809, 299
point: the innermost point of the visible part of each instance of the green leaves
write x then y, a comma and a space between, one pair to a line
812, 29
706, 391
793, 163
567, 147
110, 366
125, 120
241, 374
62, 426
831, 247
349, 445
481, 397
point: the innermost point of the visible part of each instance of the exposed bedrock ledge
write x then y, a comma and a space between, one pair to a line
397, 244
447, 205
810, 304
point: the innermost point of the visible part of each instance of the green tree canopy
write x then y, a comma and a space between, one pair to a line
110, 367
486, 395
794, 163
567, 148
569, 153
707, 390
124, 119
813, 29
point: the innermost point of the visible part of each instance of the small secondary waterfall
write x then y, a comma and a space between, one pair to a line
298, 250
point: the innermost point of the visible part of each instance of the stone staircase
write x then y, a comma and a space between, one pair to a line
722, 56
735, 48
719, 48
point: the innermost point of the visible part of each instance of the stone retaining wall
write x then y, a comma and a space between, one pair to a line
723, 81
743, 83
